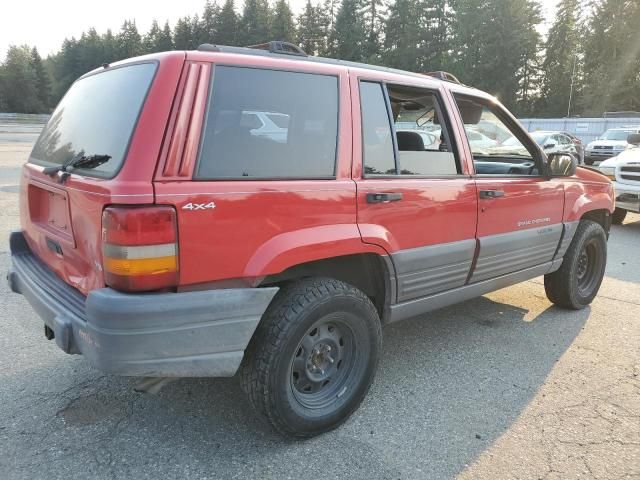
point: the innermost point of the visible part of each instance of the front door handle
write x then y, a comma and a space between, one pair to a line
376, 197
491, 193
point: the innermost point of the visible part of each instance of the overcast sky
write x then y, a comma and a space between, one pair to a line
46, 23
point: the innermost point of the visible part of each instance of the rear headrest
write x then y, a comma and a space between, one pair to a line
410, 141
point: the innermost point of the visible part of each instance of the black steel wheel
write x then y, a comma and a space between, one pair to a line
576, 283
327, 360
313, 357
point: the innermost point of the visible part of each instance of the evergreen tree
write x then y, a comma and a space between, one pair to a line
158, 39
561, 63
612, 58
43, 83
372, 25
226, 24
209, 24
326, 14
149, 40
403, 31
311, 34
255, 23
20, 84
434, 15
183, 34
495, 46
164, 42
129, 42
347, 37
282, 26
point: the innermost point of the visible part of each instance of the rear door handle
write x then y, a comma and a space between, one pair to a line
491, 193
378, 197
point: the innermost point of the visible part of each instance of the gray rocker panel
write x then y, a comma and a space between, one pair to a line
418, 306
427, 270
513, 251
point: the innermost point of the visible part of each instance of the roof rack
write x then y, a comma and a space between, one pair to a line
277, 46
282, 48
446, 76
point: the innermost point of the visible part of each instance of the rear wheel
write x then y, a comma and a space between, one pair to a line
618, 216
313, 357
575, 284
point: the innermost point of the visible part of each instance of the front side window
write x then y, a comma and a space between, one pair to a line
504, 152
269, 124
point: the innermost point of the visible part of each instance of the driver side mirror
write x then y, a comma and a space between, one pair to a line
561, 164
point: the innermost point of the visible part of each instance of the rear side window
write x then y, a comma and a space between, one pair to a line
413, 118
269, 124
97, 117
376, 131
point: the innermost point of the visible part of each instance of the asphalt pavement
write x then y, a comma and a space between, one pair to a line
505, 386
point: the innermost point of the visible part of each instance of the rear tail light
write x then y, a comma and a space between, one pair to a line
140, 248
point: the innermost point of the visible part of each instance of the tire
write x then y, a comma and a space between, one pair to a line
618, 216
313, 357
588, 161
575, 284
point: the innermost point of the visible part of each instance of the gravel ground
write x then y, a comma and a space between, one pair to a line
505, 386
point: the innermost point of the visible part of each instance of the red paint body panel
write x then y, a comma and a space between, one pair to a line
432, 210
587, 190
262, 227
81, 262
525, 199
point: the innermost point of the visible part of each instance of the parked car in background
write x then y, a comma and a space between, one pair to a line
624, 171
609, 144
557, 142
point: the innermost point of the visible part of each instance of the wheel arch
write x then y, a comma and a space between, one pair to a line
372, 273
601, 216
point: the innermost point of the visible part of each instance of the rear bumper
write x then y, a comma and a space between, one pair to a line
627, 196
155, 334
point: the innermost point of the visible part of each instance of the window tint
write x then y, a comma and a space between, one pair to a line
376, 131
96, 117
269, 124
502, 153
422, 138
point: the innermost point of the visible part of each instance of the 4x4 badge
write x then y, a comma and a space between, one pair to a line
199, 206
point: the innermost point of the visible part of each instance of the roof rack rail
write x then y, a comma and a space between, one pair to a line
277, 46
446, 76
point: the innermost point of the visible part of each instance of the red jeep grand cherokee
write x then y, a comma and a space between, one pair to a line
261, 212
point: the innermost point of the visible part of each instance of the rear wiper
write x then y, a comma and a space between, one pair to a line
80, 160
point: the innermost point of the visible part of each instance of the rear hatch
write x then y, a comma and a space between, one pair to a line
99, 148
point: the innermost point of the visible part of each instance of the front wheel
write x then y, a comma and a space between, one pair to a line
313, 357
575, 284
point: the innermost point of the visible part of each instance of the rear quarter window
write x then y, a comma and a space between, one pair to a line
297, 140
97, 116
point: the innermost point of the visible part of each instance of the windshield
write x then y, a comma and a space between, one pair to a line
539, 137
96, 119
616, 134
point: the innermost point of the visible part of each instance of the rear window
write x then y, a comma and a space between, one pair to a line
96, 117
269, 124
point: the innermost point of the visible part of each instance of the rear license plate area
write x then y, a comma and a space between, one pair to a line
49, 210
